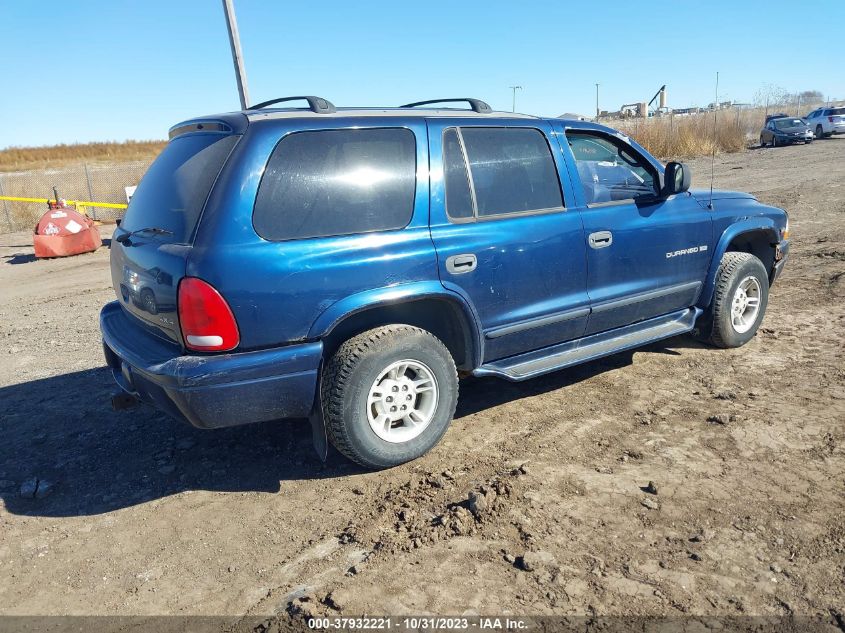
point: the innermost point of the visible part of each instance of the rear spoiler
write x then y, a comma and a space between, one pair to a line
220, 124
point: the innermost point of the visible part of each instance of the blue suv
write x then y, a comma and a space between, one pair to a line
350, 264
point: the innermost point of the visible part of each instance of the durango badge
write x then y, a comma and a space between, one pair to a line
688, 251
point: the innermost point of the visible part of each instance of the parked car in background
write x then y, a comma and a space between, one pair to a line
827, 121
784, 131
777, 115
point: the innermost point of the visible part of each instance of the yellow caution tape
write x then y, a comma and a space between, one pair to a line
81, 203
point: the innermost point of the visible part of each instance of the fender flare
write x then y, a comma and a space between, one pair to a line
396, 295
747, 225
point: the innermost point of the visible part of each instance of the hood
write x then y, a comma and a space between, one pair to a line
703, 195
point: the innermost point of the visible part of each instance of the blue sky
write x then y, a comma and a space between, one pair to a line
113, 70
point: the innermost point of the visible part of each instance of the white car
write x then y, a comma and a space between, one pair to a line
827, 121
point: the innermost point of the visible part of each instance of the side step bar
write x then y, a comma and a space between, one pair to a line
563, 355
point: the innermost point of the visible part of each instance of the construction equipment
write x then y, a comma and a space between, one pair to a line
660, 97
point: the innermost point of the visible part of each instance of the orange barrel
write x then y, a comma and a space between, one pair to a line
63, 231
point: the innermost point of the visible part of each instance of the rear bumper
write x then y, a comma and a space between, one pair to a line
210, 391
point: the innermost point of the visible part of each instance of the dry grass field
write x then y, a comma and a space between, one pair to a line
689, 136
35, 158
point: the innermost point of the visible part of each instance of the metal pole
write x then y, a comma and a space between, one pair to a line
90, 188
598, 112
237, 55
514, 88
5, 206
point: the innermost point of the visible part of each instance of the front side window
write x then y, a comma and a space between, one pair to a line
610, 170
337, 182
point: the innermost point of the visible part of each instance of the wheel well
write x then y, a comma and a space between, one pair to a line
757, 243
441, 317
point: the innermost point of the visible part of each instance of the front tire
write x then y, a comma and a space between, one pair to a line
739, 301
388, 395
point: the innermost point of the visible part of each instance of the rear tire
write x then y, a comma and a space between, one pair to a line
774, 141
762, 142
819, 131
369, 380
739, 301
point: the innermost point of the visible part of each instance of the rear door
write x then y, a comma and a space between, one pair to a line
506, 236
646, 256
149, 249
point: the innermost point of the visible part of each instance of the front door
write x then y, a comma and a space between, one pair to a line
646, 255
505, 233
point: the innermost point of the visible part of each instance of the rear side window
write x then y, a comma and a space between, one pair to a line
512, 170
337, 182
172, 193
838, 111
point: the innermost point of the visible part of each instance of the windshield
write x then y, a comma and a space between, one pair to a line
172, 193
783, 124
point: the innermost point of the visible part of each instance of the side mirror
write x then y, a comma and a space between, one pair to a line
677, 178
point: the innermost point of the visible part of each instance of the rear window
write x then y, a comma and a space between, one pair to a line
172, 193
337, 182
838, 111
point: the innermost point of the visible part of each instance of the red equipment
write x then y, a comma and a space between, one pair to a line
63, 231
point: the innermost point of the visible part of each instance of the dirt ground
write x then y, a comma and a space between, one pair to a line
534, 503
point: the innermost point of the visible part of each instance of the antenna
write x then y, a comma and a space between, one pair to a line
715, 138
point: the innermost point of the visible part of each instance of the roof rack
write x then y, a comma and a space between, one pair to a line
476, 105
315, 104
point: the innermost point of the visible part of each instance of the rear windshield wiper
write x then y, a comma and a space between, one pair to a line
150, 229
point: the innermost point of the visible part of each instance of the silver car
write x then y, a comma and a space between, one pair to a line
827, 121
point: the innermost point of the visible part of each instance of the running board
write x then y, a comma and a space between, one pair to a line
563, 355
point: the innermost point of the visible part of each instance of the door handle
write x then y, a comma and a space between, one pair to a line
460, 264
600, 239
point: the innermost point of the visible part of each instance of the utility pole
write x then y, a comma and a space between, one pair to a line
598, 112
237, 55
514, 88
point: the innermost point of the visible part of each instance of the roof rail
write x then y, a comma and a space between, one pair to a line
315, 104
476, 105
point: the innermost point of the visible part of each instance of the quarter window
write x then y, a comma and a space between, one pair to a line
511, 171
609, 169
458, 194
337, 182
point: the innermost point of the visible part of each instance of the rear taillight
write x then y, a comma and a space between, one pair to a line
208, 324
830, 118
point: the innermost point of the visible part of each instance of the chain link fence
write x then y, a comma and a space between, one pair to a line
89, 182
